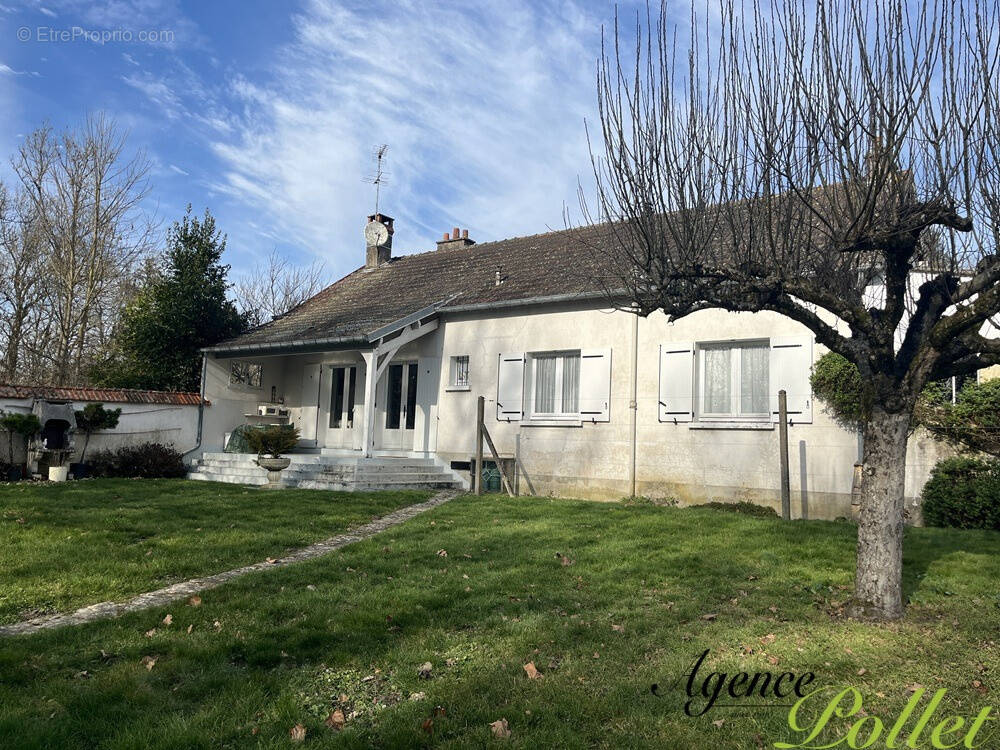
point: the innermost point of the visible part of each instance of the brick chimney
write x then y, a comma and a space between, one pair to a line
378, 240
455, 240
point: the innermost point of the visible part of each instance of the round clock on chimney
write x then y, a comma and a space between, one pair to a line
376, 233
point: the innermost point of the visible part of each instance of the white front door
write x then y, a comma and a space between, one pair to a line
341, 389
309, 404
395, 419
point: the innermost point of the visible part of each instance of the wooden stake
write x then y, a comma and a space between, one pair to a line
480, 426
786, 500
496, 457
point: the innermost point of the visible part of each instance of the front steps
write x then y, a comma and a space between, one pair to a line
328, 472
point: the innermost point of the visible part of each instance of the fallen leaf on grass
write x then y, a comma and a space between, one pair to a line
773, 660
500, 729
862, 671
428, 726
335, 720
978, 685
271, 560
442, 553
217, 625
151, 632
618, 628
915, 687
418, 696
424, 671
297, 733
710, 616
195, 601
769, 638
149, 662
719, 722
529, 669
168, 619
190, 628
439, 711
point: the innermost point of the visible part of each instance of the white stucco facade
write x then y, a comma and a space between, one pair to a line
634, 445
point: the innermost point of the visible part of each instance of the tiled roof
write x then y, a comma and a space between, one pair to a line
554, 264
103, 395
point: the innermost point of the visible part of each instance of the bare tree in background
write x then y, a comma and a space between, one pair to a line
85, 196
275, 287
22, 281
799, 158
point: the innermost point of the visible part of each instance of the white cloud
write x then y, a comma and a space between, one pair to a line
178, 170
47, 11
483, 111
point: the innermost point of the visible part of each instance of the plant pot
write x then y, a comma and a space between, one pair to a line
79, 471
58, 473
15, 474
274, 467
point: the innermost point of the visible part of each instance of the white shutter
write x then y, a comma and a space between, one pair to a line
510, 387
791, 363
595, 385
676, 396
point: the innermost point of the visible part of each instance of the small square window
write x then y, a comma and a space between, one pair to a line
459, 371
246, 374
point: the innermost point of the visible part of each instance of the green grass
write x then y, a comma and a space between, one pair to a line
286, 646
68, 545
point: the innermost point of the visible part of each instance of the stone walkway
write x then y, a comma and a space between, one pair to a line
160, 597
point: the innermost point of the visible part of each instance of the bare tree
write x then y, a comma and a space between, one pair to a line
276, 286
86, 198
799, 158
22, 280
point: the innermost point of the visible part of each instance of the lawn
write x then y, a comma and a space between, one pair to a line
68, 545
605, 600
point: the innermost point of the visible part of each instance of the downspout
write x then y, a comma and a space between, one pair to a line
201, 408
634, 404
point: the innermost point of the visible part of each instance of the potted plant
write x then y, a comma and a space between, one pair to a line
25, 425
273, 441
92, 418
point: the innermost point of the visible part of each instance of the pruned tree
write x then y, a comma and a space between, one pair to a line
86, 197
832, 162
275, 286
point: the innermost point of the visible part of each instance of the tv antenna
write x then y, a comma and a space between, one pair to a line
379, 177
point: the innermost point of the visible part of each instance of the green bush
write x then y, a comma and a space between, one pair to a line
838, 384
94, 418
963, 492
273, 440
145, 461
25, 425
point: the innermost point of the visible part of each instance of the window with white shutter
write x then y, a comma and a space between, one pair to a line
676, 392
595, 385
791, 364
510, 387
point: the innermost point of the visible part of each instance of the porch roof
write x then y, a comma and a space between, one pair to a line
539, 268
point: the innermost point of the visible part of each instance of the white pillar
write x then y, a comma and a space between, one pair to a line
371, 380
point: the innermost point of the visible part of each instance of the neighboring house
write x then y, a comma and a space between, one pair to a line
147, 416
592, 402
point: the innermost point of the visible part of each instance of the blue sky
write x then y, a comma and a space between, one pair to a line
267, 112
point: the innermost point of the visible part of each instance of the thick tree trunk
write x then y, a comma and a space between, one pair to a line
878, 583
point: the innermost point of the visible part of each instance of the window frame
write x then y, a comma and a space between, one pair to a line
453, 369
246, 384
735, 347
532, 381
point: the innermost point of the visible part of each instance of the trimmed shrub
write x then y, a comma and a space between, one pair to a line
964, 493
145, 461
838, 384
273, 440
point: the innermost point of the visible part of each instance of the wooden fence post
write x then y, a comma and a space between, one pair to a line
786, 500
480, 425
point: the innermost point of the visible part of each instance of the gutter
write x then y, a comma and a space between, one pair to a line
633, 404
297, 344
527, 301
201, 410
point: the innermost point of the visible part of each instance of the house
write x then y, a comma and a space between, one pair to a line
590, 402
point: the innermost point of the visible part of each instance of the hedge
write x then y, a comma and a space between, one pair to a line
963, 492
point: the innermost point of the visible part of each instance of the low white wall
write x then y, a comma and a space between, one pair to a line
169, 424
